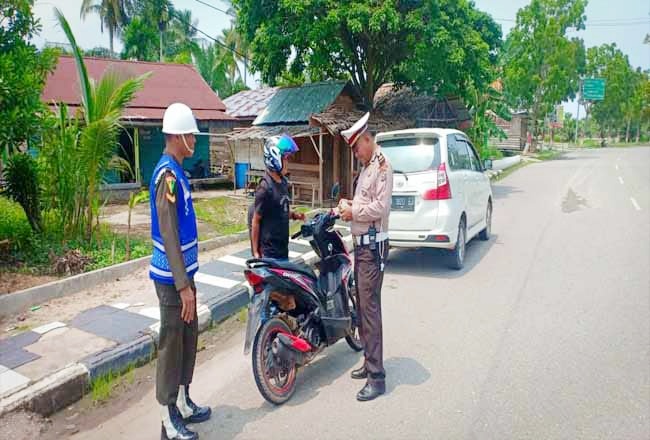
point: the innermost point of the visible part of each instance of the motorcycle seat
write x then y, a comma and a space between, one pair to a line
289, 265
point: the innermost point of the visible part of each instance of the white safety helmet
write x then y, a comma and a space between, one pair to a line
178, 119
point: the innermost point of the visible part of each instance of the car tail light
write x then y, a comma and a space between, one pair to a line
255, 280
443, 190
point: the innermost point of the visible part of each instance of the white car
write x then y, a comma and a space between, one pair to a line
441, 196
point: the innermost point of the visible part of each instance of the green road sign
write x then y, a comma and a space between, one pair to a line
593, 89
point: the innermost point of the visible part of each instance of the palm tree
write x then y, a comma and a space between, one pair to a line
112, 14
239, 50
160, 12
181, 35
102, 106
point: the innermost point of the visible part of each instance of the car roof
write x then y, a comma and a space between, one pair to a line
439, 132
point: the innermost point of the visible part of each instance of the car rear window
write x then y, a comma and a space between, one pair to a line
412, 155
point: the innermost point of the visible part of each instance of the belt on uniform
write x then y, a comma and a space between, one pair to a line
364, 240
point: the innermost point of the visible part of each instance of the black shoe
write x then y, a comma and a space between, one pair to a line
191, 412
371, 391
173, 427
359, 373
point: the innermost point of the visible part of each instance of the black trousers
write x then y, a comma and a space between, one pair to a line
369, 279
177, 345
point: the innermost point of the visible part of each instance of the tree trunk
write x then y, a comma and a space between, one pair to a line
627, 131
161, 45
638, 131
110, 36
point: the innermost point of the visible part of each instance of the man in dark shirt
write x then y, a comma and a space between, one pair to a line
271, 211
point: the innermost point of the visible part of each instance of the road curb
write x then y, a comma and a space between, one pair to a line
70, 384
119, 359
51, 393
16, 302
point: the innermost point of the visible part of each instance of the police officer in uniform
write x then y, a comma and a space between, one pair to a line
173, 265
368, 212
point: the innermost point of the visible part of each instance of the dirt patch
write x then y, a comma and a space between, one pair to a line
23, 426
125, 391
13, 281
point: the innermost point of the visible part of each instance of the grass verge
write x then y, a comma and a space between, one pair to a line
226, 215
508, 171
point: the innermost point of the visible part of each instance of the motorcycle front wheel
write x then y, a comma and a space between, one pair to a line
276, 382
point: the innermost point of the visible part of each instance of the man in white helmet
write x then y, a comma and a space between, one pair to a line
173, 265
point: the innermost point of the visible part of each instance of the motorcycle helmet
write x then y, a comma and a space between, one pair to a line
275, 149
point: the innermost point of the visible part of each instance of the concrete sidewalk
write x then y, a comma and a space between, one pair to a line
50, 366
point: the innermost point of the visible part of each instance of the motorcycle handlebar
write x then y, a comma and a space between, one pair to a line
296, 235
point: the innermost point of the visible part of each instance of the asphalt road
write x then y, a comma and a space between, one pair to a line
544, 335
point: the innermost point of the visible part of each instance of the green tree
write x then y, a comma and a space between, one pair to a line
22, 177
112, 14
457, 54
23, 70
102, 105
608, 62
140, 40
484, 108
214, 64
363, 40
541, 65
181, 37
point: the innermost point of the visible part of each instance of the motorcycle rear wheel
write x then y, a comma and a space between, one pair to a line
276, 383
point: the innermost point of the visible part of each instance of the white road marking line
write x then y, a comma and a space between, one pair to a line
121, 306
620, 179
293, 254
231, 259
636, 205
616, 167
301, 242
309, 256
215, 281
48, 327
151, 312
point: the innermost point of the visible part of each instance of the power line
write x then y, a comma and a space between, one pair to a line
216, 9
173, 13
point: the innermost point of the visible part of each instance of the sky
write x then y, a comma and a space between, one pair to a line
605, 17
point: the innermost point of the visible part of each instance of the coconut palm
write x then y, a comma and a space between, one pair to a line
112, 15
102, 106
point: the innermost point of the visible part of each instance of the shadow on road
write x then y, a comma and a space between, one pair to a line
433, 262
336, 362
404, 371
503, 191
228, 421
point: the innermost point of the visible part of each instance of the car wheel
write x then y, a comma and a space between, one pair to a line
487, 232
457, 255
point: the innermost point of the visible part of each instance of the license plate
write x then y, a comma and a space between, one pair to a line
403, 203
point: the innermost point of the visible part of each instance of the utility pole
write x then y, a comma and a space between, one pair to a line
578, 112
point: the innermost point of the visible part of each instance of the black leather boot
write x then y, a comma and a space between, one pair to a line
173, 427
371, 391
191, 412
359, 373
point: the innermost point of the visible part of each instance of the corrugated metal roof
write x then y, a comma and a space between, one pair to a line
262, 132
297, 104
167, 84
249, 103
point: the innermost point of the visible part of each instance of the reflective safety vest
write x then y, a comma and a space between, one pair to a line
159, 269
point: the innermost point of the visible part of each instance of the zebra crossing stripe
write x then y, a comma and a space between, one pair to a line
301, 242
231, 259
212, 280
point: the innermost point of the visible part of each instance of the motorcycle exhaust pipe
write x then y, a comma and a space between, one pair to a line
289, 348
